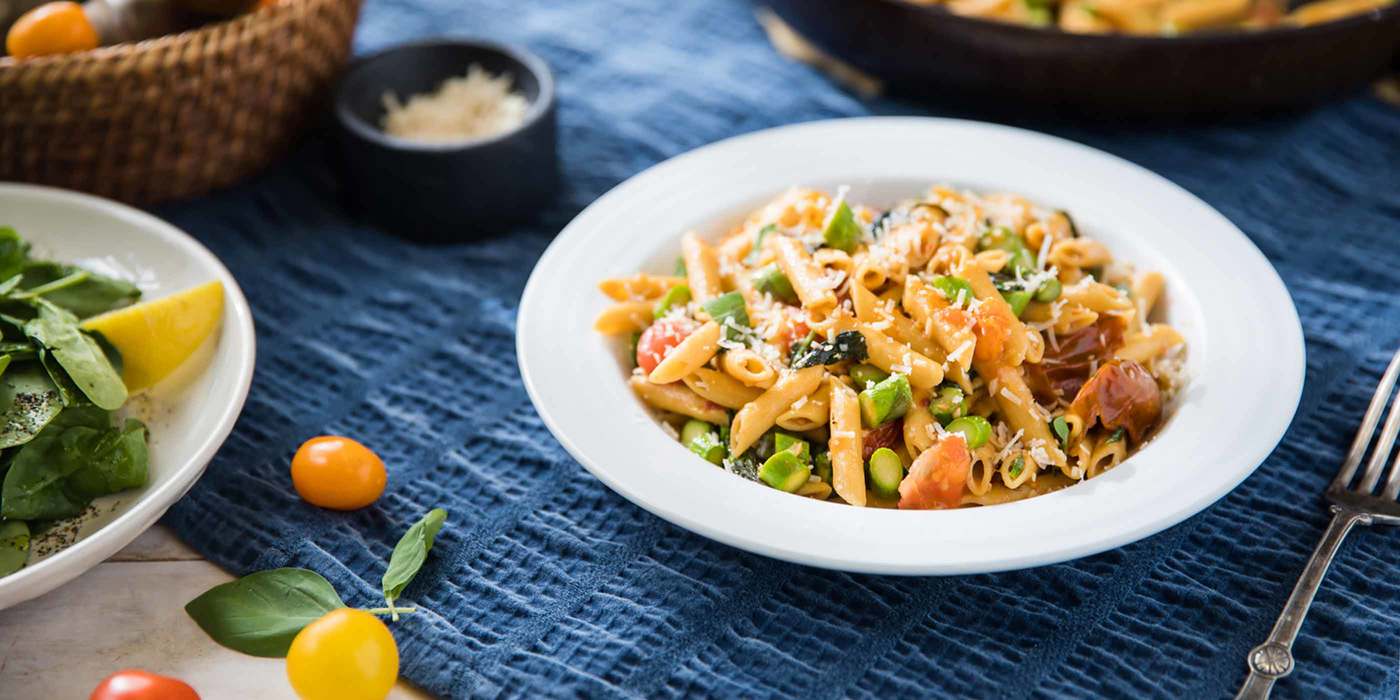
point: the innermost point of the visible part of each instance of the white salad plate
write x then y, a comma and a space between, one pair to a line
1245, 357
189, 414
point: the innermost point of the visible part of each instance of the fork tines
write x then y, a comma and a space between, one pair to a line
1366, 485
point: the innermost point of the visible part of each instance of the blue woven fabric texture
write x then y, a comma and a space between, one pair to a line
546, 584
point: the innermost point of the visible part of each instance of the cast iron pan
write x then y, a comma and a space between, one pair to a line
930, 51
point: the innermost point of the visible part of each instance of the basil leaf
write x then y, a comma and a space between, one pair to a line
30, 400
410, 553
91, 296
262, 612
14, 546
77, 457
87, 365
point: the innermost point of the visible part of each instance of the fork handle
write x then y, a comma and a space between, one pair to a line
1273, 659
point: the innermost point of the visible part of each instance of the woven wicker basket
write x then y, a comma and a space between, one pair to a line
175, 116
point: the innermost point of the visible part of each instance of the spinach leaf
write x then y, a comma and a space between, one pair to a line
76, 458
747, 465
19, 351
13, 252
30, 401
57, 331
90, 296
262, 612
847, 345
409, 555
68, 392
14, 546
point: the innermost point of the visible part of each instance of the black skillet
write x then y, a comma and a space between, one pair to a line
926, 50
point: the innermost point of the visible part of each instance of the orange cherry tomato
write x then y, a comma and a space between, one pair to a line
658, 340
56, 27
338, 473
135, 684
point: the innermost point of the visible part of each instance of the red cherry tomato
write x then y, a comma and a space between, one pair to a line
658, 340
135, 684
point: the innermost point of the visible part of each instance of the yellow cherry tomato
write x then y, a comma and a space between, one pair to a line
338, 473
348, 654
55, 27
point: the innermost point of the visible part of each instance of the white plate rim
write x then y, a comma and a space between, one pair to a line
61, 567
1287, 358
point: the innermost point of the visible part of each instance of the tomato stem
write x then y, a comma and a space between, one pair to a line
389, 611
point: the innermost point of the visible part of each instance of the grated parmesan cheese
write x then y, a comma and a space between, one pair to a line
477, 105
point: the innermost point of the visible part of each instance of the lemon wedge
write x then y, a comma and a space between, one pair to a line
155, 337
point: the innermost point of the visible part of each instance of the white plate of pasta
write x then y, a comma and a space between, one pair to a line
910, 346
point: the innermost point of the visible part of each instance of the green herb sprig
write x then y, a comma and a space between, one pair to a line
261, 613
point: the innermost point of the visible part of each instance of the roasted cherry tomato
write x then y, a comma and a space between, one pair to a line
348, 654
659, 338
338, 473
938, 476
55, 27
135, 684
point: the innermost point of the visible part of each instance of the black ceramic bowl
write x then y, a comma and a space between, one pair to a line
929, 51
453, 190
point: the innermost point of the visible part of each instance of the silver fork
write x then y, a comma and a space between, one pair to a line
1352, 504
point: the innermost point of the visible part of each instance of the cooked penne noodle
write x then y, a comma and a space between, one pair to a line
748, 367
1078, 253
1097, 297
808, 413
1146, 290
894, 357
1106, 455
808, 279
676, 398
755, 418
701, 268
627, 317
638, 287
691, 354
720, 388
1020, 410
847, 465
984, 468
1149, 344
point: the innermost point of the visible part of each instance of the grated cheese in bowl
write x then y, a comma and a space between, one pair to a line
477, 105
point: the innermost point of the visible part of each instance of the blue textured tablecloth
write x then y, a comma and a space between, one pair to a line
544, 583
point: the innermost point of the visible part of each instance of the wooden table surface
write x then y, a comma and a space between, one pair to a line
129, 612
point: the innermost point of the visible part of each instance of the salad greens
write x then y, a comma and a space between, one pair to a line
60, 446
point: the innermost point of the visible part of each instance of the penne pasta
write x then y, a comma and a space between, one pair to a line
755, 418
627, 317
807, 278
701, 268
691, 354
808, 413
748, 368
676, 398
931, 287
638, 287
847, 465
717, 387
